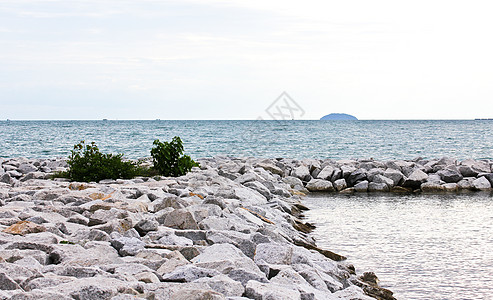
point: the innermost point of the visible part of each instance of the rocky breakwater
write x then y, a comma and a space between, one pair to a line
229, 230
419, 175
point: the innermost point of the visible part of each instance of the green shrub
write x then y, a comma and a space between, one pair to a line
87, 163
168, 159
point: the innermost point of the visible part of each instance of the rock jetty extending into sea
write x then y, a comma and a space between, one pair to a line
232, 229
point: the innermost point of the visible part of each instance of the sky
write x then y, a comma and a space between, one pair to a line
227, 59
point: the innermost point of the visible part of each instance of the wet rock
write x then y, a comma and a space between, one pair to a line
432, 187
378, 187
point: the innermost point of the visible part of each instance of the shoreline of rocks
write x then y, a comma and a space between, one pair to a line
231, 229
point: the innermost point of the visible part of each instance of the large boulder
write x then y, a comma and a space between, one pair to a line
395, 175
361, 186
326, 173
319, 185
224, 258
481, 184
340, 184
356, 177
415, 179
302, 172
180, 219
258, 290
450, 175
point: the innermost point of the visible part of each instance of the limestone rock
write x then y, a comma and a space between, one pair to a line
481, 184
320, 185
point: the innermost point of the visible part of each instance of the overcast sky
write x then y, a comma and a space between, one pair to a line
190, 59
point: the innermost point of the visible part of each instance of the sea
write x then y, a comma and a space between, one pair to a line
420, 246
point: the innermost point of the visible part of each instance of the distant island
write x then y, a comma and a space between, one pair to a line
338, 117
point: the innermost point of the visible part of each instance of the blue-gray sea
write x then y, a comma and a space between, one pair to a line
420, 246
293, 139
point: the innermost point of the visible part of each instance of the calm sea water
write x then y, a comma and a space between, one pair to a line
420, 247
293, 139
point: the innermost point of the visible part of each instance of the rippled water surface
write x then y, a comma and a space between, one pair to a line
293, 139
420, 246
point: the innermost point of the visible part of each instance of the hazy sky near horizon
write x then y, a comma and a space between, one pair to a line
226, 59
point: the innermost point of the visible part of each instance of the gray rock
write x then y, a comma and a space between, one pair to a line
326, 173
466, 183
273, 253
259, 187
481, 184
378, 187
488, 176
180, 219
450, 175
265, 291
356, 177
173, 239
224, 285
26, 168
146, 225
361, 186
302, 173
188, 273
6, 178
415, 179
271, 168
340, 184
395, 175
92, 292
231, 258
292, 181
7, 283
127, 246
319, 185
382, 179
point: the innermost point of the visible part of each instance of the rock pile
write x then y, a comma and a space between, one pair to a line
419, 175
229, 230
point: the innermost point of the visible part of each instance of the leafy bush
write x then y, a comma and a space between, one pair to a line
87, 163
168, 159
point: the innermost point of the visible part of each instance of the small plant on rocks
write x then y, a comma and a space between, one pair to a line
169, 160
87, 163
